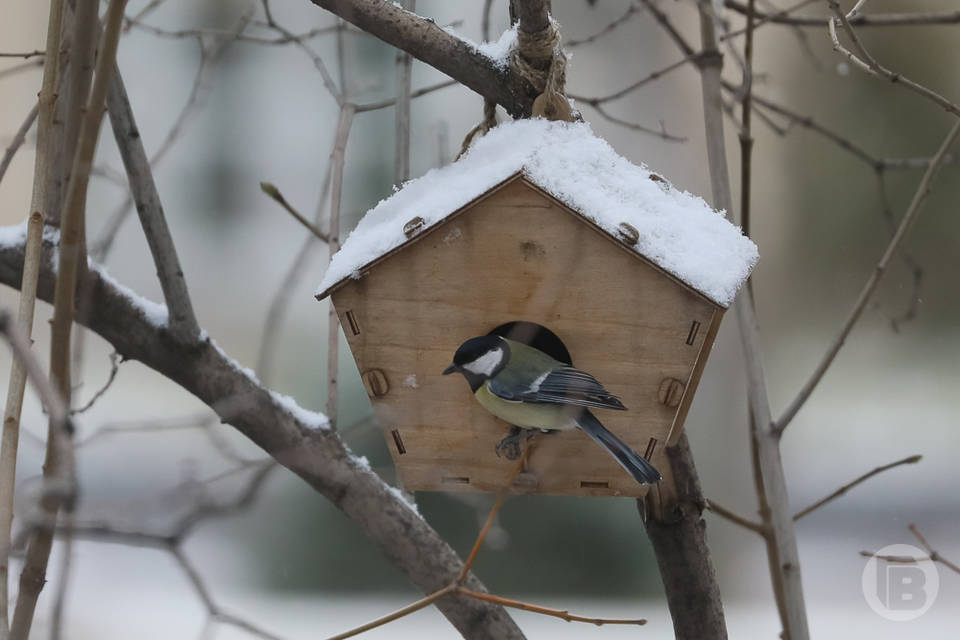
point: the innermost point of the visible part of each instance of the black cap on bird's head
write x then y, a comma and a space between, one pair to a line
480, 357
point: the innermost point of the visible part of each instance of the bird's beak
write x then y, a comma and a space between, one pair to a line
451, 369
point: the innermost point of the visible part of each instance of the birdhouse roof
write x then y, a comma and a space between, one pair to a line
677, 230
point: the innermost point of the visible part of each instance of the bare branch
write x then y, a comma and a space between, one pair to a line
402, 129
868, 63
786, 573
850, 485
547, 611
182, 321
271, 190
58, 463
428, 42
677, 532
632, 9
333, 322
316, 455
923, 190
18, 139
114, 368
209, 57
860, 20
735, 518
934, 555
45, 162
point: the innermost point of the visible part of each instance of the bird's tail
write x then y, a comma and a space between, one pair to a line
635, 464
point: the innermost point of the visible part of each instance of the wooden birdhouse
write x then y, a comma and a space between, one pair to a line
544, 225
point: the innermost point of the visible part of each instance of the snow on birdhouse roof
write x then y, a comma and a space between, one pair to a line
678, 231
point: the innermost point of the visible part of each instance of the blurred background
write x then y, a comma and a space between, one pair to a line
291, 561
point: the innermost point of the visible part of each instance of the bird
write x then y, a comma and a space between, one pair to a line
529, 389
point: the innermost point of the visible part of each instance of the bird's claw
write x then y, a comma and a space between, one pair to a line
511, 447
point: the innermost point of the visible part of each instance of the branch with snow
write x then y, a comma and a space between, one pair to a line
293, 436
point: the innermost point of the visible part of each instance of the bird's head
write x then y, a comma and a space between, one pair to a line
480, 358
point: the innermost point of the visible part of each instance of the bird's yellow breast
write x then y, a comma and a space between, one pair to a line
528, 415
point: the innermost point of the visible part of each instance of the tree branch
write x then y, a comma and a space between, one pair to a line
923, 190
428, 42
786, 573
850, 485
318, 456
679, 542
183, 322
860, 20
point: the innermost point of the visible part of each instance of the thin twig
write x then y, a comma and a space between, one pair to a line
547, 611
850, 485
865, 61
271, 190
736, 518
399, 613
934, 554
654, 75
333, 243
632, 8
40, 202
389, 102
283, 293
210, 56
493, 513
401, 164
923, 190
114, 368
782, 536
752, 15
862, 20
18, 139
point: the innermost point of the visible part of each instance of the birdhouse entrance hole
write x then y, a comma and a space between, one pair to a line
536, 336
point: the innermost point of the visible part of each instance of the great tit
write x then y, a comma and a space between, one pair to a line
529, 389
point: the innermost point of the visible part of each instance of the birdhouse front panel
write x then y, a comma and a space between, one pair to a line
516, 254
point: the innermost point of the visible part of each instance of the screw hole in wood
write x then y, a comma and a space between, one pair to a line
455, 480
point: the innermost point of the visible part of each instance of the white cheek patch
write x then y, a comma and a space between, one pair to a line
485, 364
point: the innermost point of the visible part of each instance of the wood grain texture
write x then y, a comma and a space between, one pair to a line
520, 255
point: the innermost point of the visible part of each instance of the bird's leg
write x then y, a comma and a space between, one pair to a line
511, 447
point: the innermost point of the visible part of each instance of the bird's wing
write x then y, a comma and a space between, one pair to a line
560, 385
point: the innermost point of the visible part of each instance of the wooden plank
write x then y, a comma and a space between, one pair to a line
517, 255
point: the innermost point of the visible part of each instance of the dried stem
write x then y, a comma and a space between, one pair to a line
457, 584
399, 613
491, 517
58, 464
923, 190
404, 73
44, 164
333, 330
850, 485
547, 611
